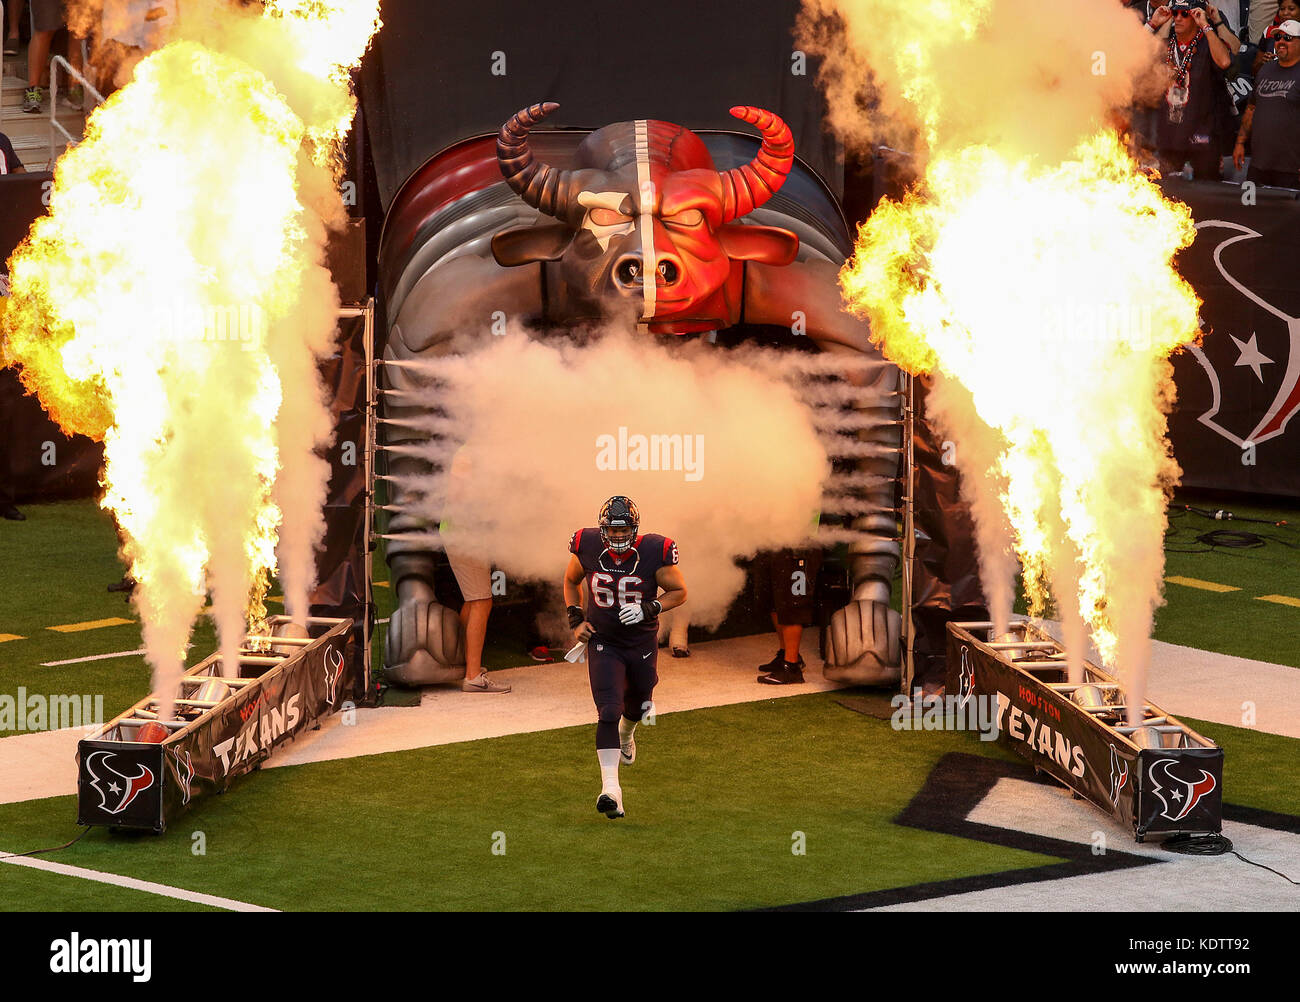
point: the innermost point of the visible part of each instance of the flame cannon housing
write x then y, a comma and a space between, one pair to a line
1159, 776
226, 727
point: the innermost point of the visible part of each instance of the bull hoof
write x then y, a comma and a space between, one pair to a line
422, 669
862, 644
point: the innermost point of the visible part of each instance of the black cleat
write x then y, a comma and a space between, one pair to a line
609, 807
786, 674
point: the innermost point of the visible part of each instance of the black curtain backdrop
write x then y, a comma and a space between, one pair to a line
37, 461
429, 81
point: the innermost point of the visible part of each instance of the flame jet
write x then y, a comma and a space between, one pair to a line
174, 301
1030, 270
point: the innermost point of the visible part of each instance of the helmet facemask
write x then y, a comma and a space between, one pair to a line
619, 515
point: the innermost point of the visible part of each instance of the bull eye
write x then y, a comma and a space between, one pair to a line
607, 217
687, 217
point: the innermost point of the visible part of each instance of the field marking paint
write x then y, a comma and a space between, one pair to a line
134, 884
93, 657
1198, 583
6, 637
1279, 600
93, 624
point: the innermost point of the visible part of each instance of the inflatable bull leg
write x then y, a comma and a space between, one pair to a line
862, 642
425, 639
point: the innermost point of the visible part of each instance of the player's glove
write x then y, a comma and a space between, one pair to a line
630, 615
575, 616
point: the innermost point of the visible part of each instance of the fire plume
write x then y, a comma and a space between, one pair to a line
174, 301
1031, 276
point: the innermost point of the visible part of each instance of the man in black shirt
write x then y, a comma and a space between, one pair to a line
1190, 127
9, 162
1272, 119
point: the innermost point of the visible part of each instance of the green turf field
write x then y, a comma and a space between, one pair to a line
714, 800
54, 569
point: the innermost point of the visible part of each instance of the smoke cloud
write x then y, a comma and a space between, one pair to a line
742, 464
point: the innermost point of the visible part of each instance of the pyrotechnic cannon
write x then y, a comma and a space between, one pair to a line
1147, 769
142, 770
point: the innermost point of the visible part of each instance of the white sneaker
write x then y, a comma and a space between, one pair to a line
610, 806
627, 752
481, 683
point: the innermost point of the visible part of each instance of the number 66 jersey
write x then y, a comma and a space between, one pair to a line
618, 579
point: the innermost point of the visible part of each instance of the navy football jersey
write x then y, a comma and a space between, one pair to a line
615, 580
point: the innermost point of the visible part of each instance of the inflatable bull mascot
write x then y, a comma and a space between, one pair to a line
569, 226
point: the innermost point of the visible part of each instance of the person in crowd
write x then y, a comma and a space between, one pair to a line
673, 627
1195, 115
1262, 14
474, 576
9, 164
1287, 10
1271, 124
48, 18
787, 579
14, 8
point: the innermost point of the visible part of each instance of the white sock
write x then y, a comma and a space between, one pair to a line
625, 729
609, 771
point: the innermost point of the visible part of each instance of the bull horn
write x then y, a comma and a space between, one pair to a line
745, 188
540, 185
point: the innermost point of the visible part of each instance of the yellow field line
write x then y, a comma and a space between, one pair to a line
94, 624
10, 636
1279, 600
1198, 583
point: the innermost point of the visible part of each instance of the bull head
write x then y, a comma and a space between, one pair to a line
646, 217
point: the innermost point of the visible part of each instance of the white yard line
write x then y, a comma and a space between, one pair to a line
132, 883
93, 657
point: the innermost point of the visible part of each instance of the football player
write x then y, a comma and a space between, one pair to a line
623, 571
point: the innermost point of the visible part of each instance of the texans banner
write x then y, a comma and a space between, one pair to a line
1239, 388
135, 784
1155, 791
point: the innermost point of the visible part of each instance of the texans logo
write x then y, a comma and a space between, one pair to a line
333, 669
185, 773
1118, 775
1176, 794
115, 788
1266, 366
966, 678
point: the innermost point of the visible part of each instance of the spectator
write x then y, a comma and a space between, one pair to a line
15, 9
673, 626
1262, 14
1288, 10
9, 164
1195, 120
47, 20
787, 578
475, 579
1272, 120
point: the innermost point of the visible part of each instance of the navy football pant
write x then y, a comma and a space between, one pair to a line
622, 680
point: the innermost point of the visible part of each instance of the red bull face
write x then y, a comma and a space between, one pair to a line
648, 219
